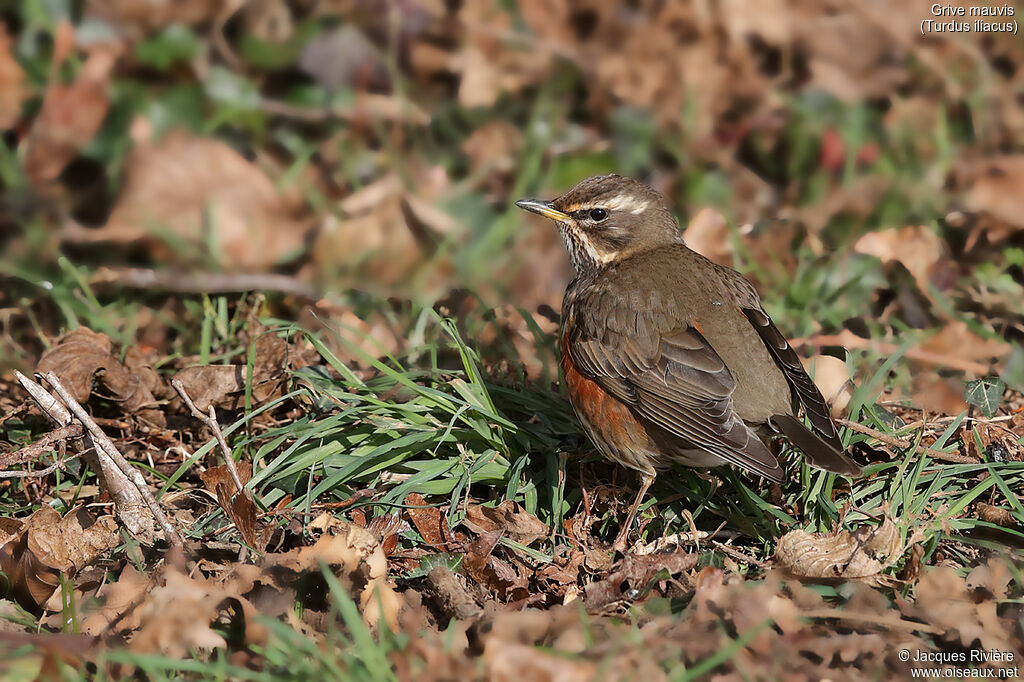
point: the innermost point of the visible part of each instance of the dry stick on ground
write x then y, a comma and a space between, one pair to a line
50, 406
40, 447
59, 464
107, 446
36, 450
127, 499
920, 355
738, 555
211, 422
905, 444
202, 282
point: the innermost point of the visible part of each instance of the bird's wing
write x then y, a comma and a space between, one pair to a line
803, 388
809, 397
674, 380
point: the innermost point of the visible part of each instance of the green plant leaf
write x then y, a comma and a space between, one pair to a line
985, 394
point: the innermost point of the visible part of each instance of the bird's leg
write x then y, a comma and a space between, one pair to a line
645, 482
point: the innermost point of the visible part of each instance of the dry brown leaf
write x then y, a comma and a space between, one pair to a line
34, 552
373, 334
997, 515
211, 384
860, 555
478, 562
993, 576
488, 68
82, 353
386, 232
938, 394
636, 571
77, 357
832, 378
71, 115
70, 543
203, 193
431, 524
708, 234
916, 247
943, 600
956, 339
136, 19
224, 385
119, 599
993, 191
12, 83
509, 517
360, 562
239, 507
511, 662
494, 145
175, 617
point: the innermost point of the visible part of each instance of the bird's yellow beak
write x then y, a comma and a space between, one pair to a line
543, 208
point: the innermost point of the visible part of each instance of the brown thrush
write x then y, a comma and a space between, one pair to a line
667, 357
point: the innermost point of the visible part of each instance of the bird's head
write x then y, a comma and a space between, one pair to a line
606, 218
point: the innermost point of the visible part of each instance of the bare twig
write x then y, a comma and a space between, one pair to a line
209, 282
107, 447
50, 406
211, 422
14, 413
131, 507
904, 444
918, 354
40, 447
59, 464
737, 554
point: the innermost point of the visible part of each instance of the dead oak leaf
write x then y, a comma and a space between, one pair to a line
509, 516
492, 572
993, 192
708, 234
431, 524
77, 357
70, 116
240, 508
82, 354
34, 552
201, 192
632, 577
944, 600
358, 560
175, 617
956, 340
859, 555
916, 247
119, 601
12, 83
224, 385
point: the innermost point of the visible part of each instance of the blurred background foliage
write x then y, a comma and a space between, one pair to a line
378, 146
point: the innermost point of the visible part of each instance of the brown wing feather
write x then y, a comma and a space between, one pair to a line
683, 387
823, 448
803, 387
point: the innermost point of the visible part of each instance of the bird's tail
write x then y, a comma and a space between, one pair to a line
819, 453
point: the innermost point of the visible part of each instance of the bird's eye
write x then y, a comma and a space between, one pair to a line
598, 214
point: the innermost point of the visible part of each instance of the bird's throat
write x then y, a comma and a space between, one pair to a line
582, 253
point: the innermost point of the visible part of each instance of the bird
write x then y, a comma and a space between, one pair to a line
669, 358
